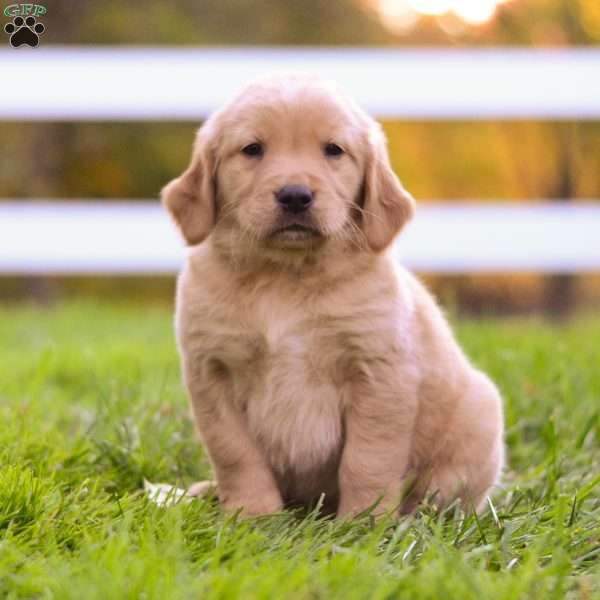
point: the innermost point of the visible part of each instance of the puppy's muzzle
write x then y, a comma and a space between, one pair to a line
294, 199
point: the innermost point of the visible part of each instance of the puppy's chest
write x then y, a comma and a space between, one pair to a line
287, 378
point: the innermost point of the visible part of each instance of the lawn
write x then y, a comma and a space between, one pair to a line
91, 405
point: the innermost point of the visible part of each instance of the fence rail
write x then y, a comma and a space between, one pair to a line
69, 238
132, 83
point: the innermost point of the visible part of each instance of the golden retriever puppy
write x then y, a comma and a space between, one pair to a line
313, 362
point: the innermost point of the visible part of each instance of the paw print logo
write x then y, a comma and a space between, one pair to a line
24, 31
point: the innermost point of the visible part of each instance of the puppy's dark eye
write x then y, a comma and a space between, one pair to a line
254, 149
332, 149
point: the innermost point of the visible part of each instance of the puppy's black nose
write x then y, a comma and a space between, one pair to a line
294, 198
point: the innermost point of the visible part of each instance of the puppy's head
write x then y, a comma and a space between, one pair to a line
290, 165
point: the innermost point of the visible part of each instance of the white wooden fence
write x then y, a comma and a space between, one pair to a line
132, 83
132, 238
125, 83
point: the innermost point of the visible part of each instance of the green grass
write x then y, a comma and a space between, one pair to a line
91, 404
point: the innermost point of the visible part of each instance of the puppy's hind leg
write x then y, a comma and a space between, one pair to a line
471, 465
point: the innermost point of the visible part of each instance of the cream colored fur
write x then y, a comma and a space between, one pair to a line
315, 364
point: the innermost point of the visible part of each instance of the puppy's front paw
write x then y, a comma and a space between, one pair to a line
374, 508
265, 504
376, 503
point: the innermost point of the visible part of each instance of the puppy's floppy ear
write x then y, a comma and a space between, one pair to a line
387, 206
190, 199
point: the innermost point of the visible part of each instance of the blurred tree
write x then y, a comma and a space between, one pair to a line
226, 22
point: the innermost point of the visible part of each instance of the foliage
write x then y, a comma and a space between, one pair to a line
91, 404
453, 160
325, 22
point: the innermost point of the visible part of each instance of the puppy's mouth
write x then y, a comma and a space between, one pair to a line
295, 234
296, 229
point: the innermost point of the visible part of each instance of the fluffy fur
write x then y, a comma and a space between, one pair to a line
313, 362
